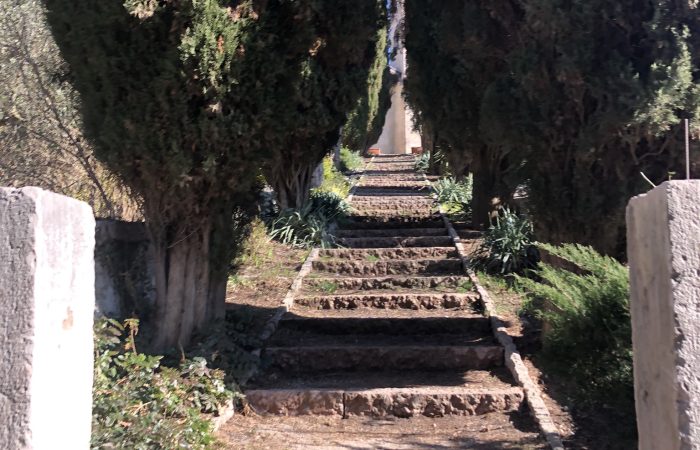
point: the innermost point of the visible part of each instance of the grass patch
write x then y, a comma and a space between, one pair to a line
371, 258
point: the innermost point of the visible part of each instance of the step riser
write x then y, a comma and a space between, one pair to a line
436, 241
360, 223
410, 232
382, 268
319, 359
413, 302
340, 284
384, 402
389, 327
390, 254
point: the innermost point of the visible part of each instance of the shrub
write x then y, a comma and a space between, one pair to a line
333, 181
422, 164
350, 161
589, 339
507, 246
309, 226
140, 404
454, 196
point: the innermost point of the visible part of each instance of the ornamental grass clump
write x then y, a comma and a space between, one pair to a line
508, 245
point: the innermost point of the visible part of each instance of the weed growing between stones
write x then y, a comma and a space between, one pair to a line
139, 403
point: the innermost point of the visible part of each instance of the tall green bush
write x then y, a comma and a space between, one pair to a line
589, 338
184, 101
573, 100
333, 78
365, 121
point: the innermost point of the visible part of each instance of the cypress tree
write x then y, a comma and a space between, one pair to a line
181, 99
334, 76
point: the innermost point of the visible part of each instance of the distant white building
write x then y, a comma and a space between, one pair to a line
398, 135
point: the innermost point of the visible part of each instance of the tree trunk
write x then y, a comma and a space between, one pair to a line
292, 185
184, 302
482, 198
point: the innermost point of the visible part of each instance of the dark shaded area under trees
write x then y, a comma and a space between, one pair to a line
571, 100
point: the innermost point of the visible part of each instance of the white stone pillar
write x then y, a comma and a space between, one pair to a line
47, 297
663, 245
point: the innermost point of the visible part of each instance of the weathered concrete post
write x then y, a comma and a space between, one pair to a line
663, 245
47, 297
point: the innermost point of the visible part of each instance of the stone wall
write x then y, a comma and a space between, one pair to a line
46, 308
663, 244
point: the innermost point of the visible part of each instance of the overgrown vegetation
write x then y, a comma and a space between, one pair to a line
508, 245
455, 196
139, 403
422, 164
350, 160
309, 226
588, 332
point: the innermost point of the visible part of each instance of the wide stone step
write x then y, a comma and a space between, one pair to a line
368, 254
381, 300
408, 215
382, 268
318, 358
368, 223
307, 324
410, 191
397, 394
396, 241
392, 232
334, 285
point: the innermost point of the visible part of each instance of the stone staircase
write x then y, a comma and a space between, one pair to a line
389, 325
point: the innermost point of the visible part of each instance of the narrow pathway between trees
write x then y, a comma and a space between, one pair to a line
386, 346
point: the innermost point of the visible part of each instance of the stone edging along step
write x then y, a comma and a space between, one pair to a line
410, 301
431, 401
513, 360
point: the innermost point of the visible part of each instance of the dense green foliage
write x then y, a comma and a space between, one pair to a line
455, 50
365, 120
350, 160
508, 245
138, 403
572, 100
186, 101
333, 180
587, 314
334, 77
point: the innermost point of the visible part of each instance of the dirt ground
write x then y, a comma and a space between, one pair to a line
265, 273
487, 432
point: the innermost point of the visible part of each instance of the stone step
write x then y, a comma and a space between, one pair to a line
317, 357
408, 215
368, 254
302, 325
379, 300
367, 223
381, 268
392, 232
390, 192
335, 285
397, 241
397, 394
